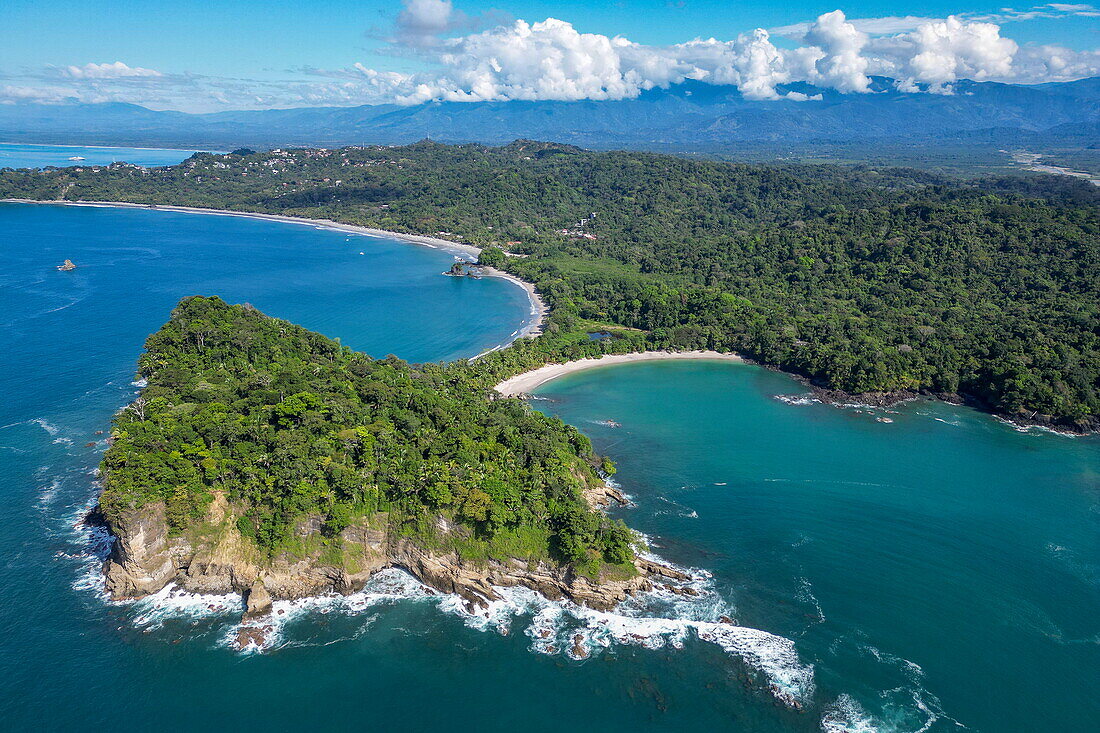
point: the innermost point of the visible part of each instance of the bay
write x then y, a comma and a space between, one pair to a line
943, 567
940, 567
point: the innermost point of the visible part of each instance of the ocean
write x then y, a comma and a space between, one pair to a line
936, 571
25, 155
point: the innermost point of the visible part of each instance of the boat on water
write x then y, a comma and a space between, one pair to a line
66, 266
77, 157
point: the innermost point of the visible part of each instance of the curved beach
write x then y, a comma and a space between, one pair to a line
539, 309
524, 383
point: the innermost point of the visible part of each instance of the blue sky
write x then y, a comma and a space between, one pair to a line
219, 55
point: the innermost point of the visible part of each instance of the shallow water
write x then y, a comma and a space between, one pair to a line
848, 550
24, 155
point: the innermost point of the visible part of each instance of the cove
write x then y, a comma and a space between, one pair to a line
941, 566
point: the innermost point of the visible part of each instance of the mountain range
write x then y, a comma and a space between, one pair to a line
692, 116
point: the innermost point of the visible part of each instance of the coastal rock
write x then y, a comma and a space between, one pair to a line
140, 562
258, 601
656, 568
600, 497
145, 560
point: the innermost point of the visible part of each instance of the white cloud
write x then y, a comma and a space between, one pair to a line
871, 26
842, 64
941, 52
14, 94
117, 70
553, 60
1056, 63
1088, 11
546, 60
421, 21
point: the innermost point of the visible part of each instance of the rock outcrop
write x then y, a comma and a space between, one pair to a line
216, 559
257, 602
142, 561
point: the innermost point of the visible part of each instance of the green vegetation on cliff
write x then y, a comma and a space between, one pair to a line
862, 279
290, 425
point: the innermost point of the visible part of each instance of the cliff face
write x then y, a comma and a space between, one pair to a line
214, 558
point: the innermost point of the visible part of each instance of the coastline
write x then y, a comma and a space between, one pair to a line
109, 147
539, 309
524, 383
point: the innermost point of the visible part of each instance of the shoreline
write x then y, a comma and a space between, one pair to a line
531, 329
524, 383
540, 310
111, 147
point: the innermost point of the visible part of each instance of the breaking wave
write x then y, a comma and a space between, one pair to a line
665, 617
797, 400
579, 632
846, 716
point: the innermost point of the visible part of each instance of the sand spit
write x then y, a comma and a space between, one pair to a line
522, 384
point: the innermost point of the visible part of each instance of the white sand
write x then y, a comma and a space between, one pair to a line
538, 306
522, 384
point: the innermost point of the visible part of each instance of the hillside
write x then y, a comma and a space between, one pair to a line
877, 282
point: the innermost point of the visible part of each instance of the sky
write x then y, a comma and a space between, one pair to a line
198, 56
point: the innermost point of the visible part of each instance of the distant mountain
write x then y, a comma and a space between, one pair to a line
688, 116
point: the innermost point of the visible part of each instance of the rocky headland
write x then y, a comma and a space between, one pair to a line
213, 558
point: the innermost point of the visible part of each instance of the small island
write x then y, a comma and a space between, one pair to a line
264, 459
66, 266
464, 269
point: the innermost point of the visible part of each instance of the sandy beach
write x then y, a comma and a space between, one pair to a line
522, 384
539, 308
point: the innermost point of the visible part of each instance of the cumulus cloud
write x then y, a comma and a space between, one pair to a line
117, 70
553, 60
842, 64
872, 26
942, 52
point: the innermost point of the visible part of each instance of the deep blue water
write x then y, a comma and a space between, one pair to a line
943, 567
23, 155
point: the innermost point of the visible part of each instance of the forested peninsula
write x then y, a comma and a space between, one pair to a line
877, 282
268, 460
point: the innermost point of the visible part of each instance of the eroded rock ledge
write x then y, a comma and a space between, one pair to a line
216, 559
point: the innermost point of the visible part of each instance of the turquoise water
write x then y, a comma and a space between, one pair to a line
21, 155
849, 551
942, 564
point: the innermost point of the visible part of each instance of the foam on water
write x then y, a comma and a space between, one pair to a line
846, 716
677, 509
385, 587
1035, 428
171, 602
46, 425
806, 595
48, 493
798, 400
651, 620
909, 706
